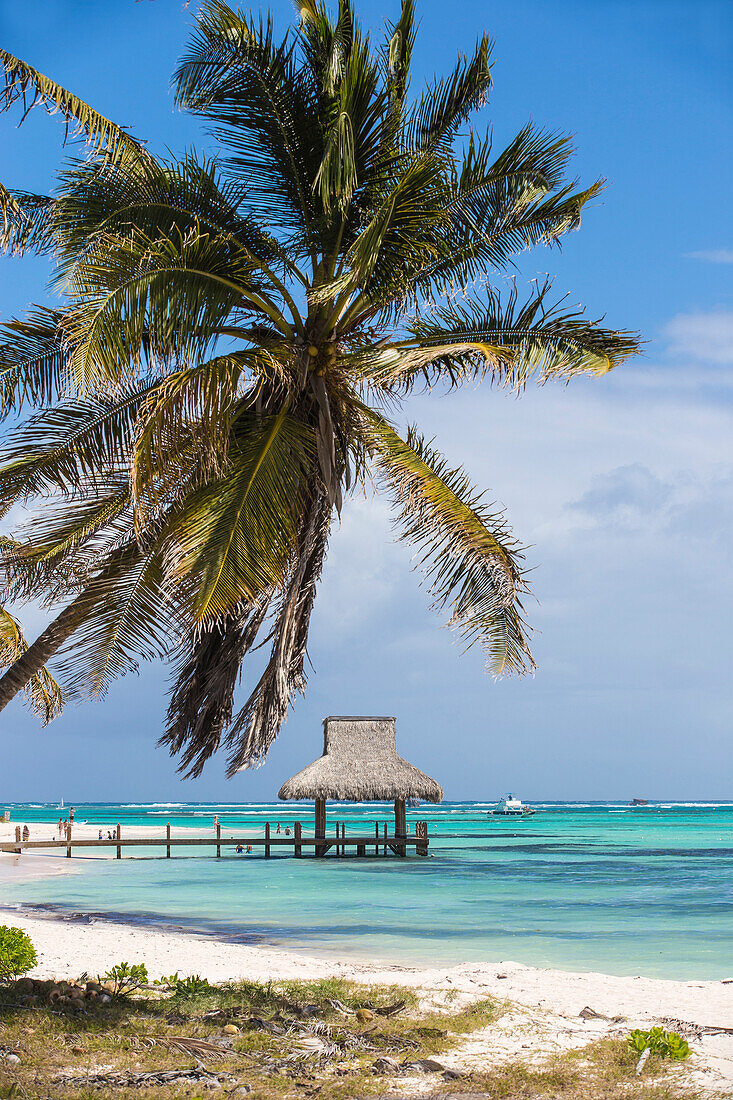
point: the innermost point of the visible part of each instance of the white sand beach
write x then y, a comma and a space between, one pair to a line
544, 1006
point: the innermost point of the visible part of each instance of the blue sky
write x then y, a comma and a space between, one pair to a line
622, 488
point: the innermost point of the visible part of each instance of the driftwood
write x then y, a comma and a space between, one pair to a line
696, 1031
197, 1048
386, 1065
129, 1080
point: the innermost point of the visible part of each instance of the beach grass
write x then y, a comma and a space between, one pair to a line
293, 1039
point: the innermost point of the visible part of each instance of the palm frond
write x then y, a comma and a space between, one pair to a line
44, 695
164, 298
398, 53
449, 102
24, 83
262, 109
234, 537
183, 429
10, 209
128, 617
469, 557
258, 723
513, 342
27, 223
56, 552
66, 446
208, 665
155, 199
32, 360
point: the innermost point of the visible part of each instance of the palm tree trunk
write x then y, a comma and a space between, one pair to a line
44, 647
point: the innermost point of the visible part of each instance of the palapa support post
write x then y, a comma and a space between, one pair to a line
376, 838
68, 841
119, 835
400, 825
320, 825
168, 838
267, 840
297, 847
421, 832
218, 840
17, 850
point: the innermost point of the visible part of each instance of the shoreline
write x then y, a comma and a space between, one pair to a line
41, 863
546, 1006
549, 1002
220, 958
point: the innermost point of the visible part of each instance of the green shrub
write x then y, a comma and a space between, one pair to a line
191, 986
665, 1044
17, 953
126, 978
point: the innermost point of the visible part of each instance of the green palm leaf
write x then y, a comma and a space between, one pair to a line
129, 617
22, 82
233, 538
44, 695
32, 360
27, 223
470, 559
514, 342
67, 446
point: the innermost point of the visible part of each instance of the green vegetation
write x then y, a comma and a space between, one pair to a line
233, 336
602, 1070
331, 1038
43, 695
192, 986
17, 953
123, 979
665, 1044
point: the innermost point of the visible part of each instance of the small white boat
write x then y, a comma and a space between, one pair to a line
511, 807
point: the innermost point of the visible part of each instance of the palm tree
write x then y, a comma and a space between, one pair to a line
234, 338
43, 695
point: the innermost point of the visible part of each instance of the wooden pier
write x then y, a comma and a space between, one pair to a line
378, 843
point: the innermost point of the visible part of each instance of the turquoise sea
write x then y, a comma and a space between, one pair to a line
578, 886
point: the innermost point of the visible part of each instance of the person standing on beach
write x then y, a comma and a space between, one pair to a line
72, 811
216, 820
60, 827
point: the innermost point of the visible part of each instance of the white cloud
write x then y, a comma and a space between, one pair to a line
704, 337
628, 495
713, 255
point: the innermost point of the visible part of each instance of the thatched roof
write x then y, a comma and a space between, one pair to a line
360, 763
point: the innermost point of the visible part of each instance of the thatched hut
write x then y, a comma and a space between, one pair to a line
360, 764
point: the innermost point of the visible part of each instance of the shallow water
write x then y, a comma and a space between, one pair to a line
577, 886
